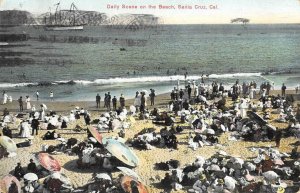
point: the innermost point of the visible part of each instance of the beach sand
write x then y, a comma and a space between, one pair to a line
147, 158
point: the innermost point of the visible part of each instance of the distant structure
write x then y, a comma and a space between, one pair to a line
63, 20
243, 21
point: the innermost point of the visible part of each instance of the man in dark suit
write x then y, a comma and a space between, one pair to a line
35, 126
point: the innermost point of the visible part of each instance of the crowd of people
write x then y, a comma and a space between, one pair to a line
201, 110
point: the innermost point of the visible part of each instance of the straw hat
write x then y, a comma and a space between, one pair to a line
220, 181
280, 190
202, 177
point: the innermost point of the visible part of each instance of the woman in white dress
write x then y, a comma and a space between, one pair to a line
72, 116
42, 113
251, 93
28, 105
5, 97
25, 129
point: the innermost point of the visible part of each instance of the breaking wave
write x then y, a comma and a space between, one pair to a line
129, 80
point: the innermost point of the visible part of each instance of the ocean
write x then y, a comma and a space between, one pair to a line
76, 65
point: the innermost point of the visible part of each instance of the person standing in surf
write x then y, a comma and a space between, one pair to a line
5, 97
283, 88
122, 101
37, 94
20, 100
51, 96
152, 96
98, 99
108, 100
28, 105
114, 102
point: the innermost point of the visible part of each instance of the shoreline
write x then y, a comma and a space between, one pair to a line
60, 106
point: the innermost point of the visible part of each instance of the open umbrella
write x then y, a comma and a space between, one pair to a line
104, 176
230, 183
45, 106
126, 182
62, 178
11, 184
8, 144
250, 166
213, 167
129, 172
31, 177
237, 162
202, 98
103, 119
96, 134
116, 124
48, 162
132, 109
210, 131
122, 152
270, 175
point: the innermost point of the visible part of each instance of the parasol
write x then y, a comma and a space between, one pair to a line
230, 183
31, 177
107, 115
45, 106
210, 131
126, 182
122, 152
270, 175
96, 134
48, 162
8, 144
122, 116
213, 167
129, 172
116, 124
103, 119
132, 109
9, 181
104, 176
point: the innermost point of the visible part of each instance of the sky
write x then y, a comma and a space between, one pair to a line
258, 11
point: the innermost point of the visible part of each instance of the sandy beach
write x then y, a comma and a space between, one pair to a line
147, 158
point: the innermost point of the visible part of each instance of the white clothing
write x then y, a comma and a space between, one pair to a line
86, 155
251, 94
199, 187
42, 115
72, 117
25, 127
28, 105
243, 109
196, 92
5, 97
10, 99
137, 101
